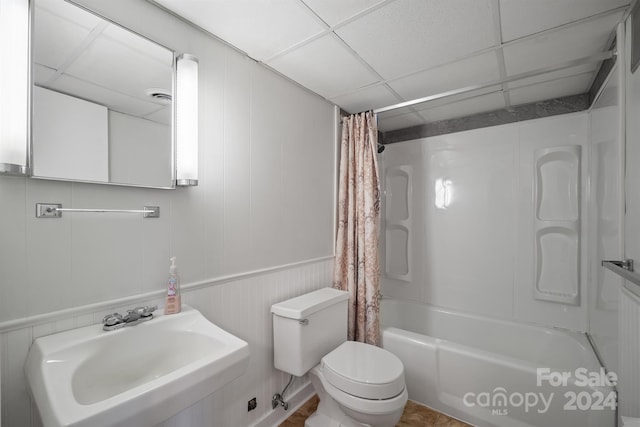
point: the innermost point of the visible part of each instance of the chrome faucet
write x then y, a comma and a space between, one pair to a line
137, 315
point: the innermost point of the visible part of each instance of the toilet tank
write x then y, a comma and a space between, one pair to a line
307, 327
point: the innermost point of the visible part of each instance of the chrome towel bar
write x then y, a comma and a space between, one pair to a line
54, 210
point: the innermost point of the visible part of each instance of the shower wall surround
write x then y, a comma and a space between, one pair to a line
628, 304
556, 196
607, 215
257, 229
497, 219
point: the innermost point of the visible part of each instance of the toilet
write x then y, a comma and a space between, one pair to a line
358, 384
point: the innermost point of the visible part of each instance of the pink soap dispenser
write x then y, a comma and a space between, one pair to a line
173, 304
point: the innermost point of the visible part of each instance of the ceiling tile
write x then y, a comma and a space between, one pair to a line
260, 28
366, 99
555, 75
555, 48
470, 71
325, 66
574, 85
479, 104
385, 124
334, 12
523, 17
411, 35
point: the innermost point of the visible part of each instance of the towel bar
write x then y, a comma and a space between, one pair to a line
54, 210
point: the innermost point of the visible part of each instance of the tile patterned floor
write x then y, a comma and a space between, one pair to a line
414, 415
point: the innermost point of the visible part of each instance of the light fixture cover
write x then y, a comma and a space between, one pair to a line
14, 86
186, 120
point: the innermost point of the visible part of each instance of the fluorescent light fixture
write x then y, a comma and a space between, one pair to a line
14, 87
186, 120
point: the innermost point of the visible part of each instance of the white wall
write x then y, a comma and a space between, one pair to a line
265, 200
265, 196
607, 210
478, 254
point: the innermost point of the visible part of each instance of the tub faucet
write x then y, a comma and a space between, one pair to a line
114, 321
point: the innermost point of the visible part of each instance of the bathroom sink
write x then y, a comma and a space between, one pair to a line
138, 375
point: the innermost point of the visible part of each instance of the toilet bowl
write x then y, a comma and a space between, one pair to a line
358, 384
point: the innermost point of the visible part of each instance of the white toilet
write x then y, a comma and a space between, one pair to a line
358, 384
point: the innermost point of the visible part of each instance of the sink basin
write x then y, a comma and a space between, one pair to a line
138, 375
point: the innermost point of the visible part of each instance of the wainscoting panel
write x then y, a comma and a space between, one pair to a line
629, 339
240, 305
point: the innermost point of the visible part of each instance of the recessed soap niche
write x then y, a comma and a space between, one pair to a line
397, 265
398, 235
557, 187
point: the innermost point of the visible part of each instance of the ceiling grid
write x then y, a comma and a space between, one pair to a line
367, 54
499, 52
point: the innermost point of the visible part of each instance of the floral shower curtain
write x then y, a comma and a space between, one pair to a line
357, 267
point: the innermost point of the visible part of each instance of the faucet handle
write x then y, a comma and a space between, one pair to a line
144, 311
112, 319
148, 311
138, 312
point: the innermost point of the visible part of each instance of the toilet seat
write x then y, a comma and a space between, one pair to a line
364, 371
358, 404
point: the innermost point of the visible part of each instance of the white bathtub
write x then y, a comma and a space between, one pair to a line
485, 371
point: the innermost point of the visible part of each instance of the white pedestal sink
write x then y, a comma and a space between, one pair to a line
134, 376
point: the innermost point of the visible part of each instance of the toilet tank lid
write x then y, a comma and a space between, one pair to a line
299, 308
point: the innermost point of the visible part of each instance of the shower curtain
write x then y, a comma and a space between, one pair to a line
357, 268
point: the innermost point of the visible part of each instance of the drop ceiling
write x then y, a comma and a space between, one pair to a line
367, 54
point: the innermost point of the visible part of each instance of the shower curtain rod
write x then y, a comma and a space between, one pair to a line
569, 64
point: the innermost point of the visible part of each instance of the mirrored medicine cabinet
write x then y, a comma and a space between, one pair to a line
102, 100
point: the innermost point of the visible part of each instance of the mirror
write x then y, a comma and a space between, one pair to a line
102, 95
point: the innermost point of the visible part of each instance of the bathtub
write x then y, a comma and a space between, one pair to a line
490, 372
